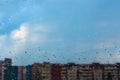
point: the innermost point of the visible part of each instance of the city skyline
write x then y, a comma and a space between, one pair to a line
60, 31
56, 71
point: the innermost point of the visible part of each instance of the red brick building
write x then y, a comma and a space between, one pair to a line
55, 72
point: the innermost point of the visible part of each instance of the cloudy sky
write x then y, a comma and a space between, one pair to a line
80, 31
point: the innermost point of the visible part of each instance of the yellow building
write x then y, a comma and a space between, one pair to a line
36, 71
46, 71
72, 72
63, 72
85, 72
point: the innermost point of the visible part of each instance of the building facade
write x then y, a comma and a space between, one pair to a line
48, 71
55, 71
85, 72
28, 72
63, 72
36, 71
72, 70
21, 72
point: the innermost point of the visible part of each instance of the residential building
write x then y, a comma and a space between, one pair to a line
63, 71
28, 72
85, 72
55, 72
11, 73
4, 65
110, 69
97, 71
46, 71
1, 62
36, 71
20, 72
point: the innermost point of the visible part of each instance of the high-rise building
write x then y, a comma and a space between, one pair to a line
63, 71
24, 72
55, 72
85, 72
1, 62
14, 73
72, 71
8, 62
118, 69
3, 66
8, 73
11, 73
46, 71
36, 71
98, 71
28, 72
110, 69
21, 73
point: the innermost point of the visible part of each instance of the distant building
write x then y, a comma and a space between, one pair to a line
97, 71
36, 71
14, 73
118, 67
63, 72
1, 62
8, 73
3, 65
110, 69
72, 71
109, 76
55, 72
28, 72
46, 71
8, 62
11, 73
22, 73
85, 72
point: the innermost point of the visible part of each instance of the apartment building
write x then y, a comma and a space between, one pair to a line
97, 71
28, 72
85, 72
22, 73
63, 72
72, 71
11, 73
36, 71
111, 70
3, 64
46, 71
55, 72
118, 67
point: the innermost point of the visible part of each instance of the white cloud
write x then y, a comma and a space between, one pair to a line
28, 33
25, 35
21, 38
20, 34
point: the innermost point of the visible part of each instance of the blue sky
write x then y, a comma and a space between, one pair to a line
80, 31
